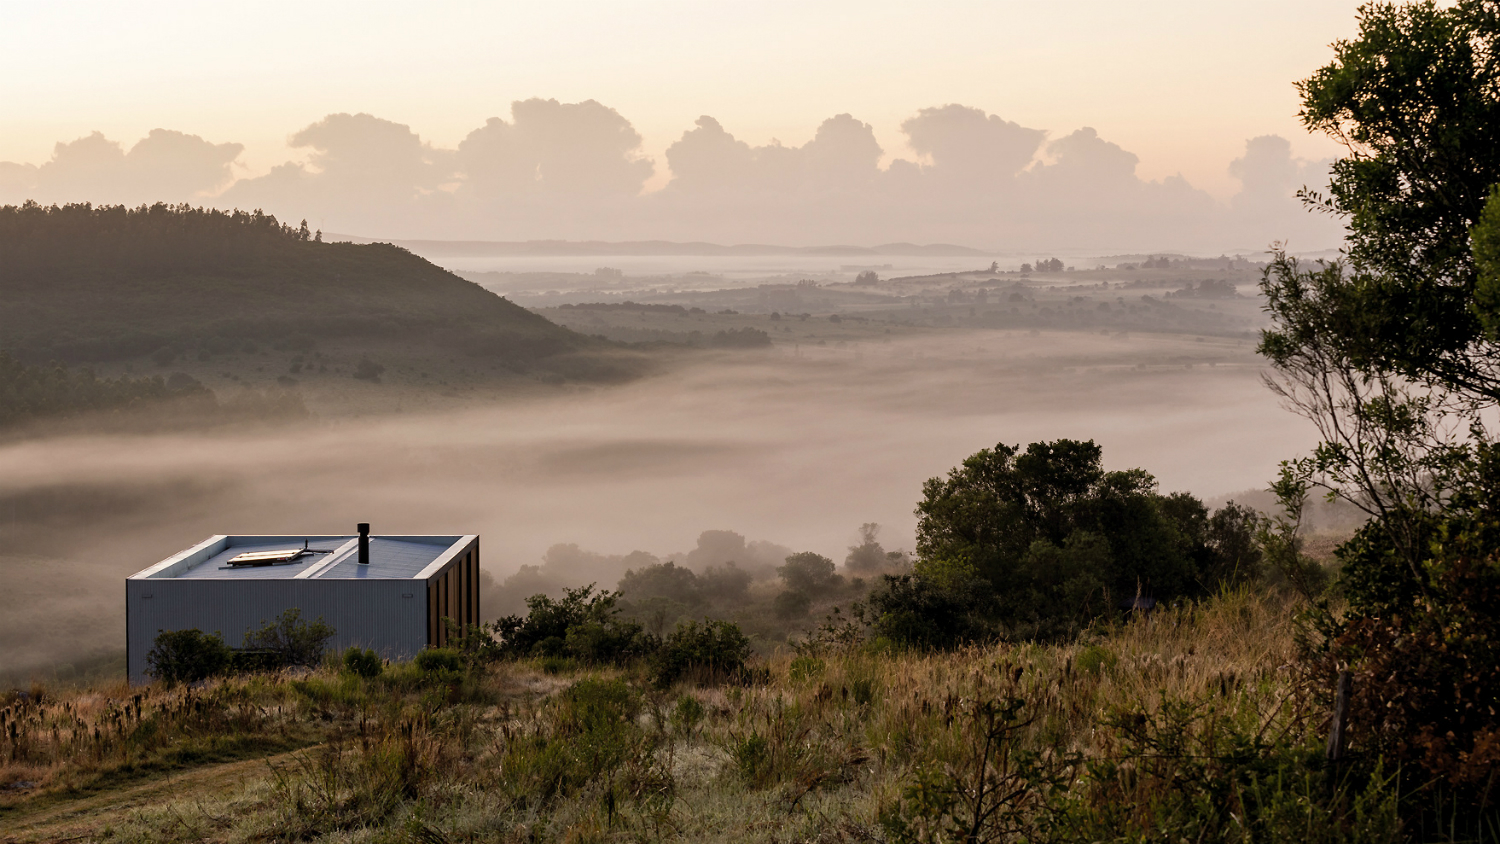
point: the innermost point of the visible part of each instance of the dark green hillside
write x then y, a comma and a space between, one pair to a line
86, 284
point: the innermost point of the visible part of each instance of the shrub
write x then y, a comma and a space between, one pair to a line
187, 656
290, 641
591, 733
992, 789
942, 605
753, 760
581, 624
434, 660
714, 647
687, 714
363, 663
791, 604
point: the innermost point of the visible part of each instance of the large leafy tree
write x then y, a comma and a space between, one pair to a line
1394, 353
1415, 99
1043, 539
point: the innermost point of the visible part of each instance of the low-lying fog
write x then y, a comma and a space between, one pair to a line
793, 447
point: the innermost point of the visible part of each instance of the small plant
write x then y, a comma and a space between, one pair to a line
806, 668
435, 660
687, 714
363, 663
1096, 658
993, 790
290, 641
752, 759
187, 656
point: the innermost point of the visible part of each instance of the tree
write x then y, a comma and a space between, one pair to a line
808, 573
290, 641
868, 556
1058, 539
187, 656
1392, 354
1415, 99
662, 580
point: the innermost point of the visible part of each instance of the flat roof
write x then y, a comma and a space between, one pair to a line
324, 558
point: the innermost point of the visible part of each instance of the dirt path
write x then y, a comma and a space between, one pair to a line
79, 820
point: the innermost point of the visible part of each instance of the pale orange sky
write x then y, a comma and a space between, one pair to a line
1181, 84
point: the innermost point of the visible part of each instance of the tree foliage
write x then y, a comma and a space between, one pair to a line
582, 624
1393, 354
37, 392
289, 641
1040, 542
1415, 99
187, 656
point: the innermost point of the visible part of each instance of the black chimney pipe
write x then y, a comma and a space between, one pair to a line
364, 543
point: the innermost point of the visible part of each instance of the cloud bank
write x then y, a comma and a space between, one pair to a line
576, 171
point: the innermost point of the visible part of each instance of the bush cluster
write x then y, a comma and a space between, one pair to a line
588, 627
1038, 544
188, 656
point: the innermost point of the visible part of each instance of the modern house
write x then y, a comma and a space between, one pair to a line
387, 593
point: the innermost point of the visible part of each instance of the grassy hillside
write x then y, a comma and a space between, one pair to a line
96, 285
839, 744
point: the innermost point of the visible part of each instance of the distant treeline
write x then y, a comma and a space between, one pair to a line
633, 306
41, 392
156, 237
29, 392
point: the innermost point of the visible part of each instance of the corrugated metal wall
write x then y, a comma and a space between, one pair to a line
384, 615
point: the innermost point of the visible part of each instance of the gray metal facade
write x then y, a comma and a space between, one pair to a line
395, 605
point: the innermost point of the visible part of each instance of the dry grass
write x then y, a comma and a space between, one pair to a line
815, 754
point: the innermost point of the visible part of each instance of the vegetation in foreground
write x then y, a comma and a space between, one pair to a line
1184, 724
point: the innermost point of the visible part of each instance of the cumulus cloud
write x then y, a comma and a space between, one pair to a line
582, 149
843, 155
576, 171
165, 166
966, 143
361, 170
1267, 207
709, 160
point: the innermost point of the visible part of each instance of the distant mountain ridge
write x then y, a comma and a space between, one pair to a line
565, 248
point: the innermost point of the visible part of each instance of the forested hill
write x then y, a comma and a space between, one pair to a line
97, 284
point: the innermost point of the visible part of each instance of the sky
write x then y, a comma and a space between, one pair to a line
1181, 85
